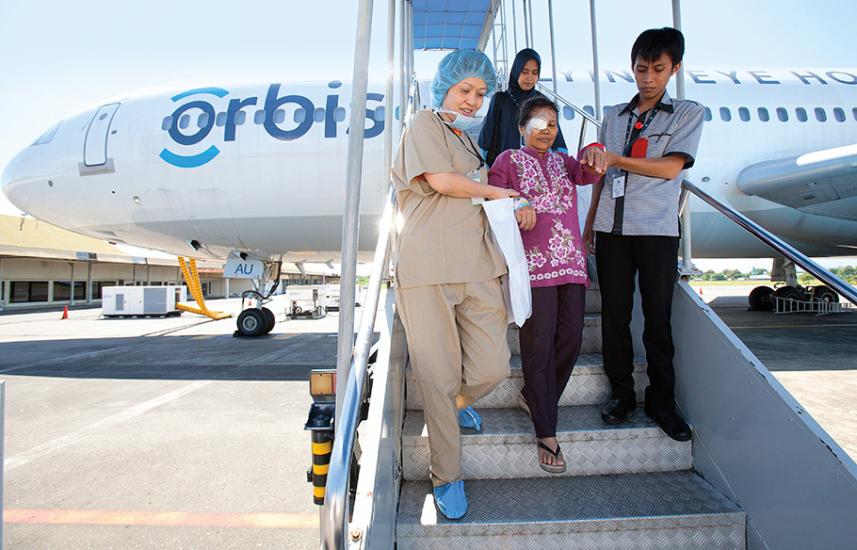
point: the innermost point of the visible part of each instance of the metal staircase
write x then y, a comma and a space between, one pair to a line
627, 486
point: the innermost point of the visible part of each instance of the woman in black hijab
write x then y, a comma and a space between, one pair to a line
500, 130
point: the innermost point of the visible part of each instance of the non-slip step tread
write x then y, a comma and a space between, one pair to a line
579, 423
506, 448
586, 364
566, 505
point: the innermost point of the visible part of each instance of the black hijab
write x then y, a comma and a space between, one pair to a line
515, 91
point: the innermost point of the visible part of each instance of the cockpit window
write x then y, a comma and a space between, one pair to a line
49, 135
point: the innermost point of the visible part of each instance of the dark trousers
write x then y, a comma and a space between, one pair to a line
550, 343
619, 258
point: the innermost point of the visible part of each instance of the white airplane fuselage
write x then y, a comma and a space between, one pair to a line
261, 169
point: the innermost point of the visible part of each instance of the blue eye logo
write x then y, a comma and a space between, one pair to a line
192, 161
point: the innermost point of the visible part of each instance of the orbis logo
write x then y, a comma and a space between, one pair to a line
271, 116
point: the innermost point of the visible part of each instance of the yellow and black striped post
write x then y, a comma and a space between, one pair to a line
322, 444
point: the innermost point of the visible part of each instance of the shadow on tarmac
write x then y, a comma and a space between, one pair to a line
277, 357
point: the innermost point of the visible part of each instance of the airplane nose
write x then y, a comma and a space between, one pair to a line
17, 180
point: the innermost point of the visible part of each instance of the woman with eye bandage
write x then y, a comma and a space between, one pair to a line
551, 337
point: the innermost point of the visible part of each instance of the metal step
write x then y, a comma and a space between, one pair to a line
506, 448
591, 335
593, 299
588, 385
675, 510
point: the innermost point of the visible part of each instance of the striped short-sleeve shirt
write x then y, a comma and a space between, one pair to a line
650, 205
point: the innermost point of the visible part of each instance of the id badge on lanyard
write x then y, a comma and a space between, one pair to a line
637, 149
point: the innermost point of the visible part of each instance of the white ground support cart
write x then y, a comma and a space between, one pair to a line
142, 301
306, 301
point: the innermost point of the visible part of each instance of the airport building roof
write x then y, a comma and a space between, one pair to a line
23, 236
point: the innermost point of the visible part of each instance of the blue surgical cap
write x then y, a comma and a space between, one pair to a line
457, 66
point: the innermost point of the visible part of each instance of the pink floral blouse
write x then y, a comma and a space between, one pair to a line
554, 249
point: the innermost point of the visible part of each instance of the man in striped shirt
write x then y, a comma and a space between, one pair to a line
633, 220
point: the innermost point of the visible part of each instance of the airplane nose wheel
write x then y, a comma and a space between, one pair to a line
252, 322
270, 321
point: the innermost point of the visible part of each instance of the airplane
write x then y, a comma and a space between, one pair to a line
256, 173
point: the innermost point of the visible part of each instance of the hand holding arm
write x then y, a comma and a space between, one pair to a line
460, 186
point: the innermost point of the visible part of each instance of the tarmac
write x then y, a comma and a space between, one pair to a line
172, 434
163, 433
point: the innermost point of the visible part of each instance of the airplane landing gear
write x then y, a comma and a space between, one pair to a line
762, 299
252, 322
257, 320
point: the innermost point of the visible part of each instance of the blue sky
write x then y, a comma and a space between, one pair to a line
62, 57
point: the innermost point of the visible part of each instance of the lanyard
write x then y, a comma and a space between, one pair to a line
470, 149
628, 143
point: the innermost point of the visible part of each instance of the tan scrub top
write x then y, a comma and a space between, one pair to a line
443, 239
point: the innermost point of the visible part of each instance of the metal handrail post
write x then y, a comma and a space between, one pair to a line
530, 19
334, 514
686, 227
388, 94
553, 46
351, 218
596, 70
777, 244
403, 80
526, 23
514, 28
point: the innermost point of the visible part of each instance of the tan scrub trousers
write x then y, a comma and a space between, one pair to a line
457, 341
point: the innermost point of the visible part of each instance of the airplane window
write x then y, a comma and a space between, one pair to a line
707, 114
184, 121
339, 114
800, 113
782, 114
300, 115
259, 116
279, 116
202, 121
763, 114
220, 119
167, 122
567, 112
839, 114
725, 114
603, 112
744, 113
318, 115
240, 118
379, 114
48, 135
820, 114
854, 113
589, 110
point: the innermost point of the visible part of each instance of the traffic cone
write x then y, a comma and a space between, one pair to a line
700, 291
64, 313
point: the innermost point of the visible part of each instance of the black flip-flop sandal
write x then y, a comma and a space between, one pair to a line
552, 468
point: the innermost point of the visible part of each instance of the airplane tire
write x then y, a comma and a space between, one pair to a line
252, 322
761, 299
823, 293
789, 292
270, 320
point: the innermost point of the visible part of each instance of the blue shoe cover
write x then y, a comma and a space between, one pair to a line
469, 418
451, 500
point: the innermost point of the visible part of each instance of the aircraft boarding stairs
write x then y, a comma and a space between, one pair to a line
626, 486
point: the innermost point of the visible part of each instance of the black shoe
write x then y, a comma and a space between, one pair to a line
671, 423
616, 411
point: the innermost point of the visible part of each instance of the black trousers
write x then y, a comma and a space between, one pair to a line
619, 258
550, 344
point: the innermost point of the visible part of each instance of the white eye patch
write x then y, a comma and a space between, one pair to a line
536, 125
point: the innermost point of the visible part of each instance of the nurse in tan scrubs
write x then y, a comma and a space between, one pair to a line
447, 272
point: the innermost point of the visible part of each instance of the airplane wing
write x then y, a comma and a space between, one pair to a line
806, 181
